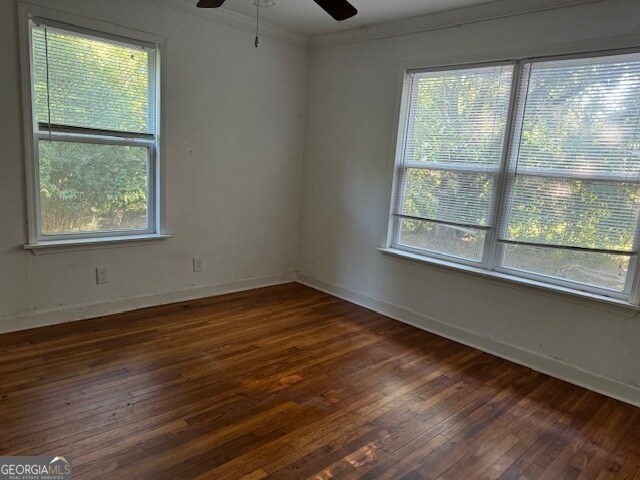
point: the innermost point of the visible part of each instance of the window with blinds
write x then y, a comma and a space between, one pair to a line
530, 169
453, 151
94, 112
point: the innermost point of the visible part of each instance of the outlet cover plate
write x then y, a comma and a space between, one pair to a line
102, 275
198, 265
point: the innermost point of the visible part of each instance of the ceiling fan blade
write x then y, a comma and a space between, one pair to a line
210, 3
338, 9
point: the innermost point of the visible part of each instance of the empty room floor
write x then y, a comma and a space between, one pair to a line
287, 382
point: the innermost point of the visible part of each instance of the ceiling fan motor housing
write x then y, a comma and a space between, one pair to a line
264, 3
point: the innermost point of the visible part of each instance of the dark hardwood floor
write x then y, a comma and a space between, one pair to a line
289, 383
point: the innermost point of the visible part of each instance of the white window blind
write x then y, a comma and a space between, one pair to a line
85, 81
575, 160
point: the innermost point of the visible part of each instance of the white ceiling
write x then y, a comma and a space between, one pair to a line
305, 16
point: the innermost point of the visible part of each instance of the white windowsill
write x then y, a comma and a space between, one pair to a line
58, 246
567, 294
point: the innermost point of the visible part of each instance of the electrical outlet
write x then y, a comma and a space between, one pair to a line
102, 275
197, 264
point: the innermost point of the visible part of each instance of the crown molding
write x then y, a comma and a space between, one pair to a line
440, 20
237, 20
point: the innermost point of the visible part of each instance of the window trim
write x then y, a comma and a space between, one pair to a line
491, 263
563, 293
156, 229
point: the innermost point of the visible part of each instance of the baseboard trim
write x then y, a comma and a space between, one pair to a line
74, 313
550, 366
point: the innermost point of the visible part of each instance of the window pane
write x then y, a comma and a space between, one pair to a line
591, 214
576, 154
457, 197
456, 122
458, 116
93, 83
581, 117
596, 269
89, 187
455, 241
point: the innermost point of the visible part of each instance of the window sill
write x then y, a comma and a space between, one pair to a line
613, 305
59, 246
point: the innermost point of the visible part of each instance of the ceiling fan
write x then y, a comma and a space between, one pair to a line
338, 9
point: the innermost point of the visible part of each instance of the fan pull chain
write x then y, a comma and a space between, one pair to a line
257, 41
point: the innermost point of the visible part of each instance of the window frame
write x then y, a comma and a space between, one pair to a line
33, 132
492, 262
488, 252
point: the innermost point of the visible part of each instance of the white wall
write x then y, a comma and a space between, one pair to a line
235, 131
346, 188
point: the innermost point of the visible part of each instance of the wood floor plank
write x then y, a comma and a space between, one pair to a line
287, 382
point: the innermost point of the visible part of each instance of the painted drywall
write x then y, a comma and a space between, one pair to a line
234, 143
347, 182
